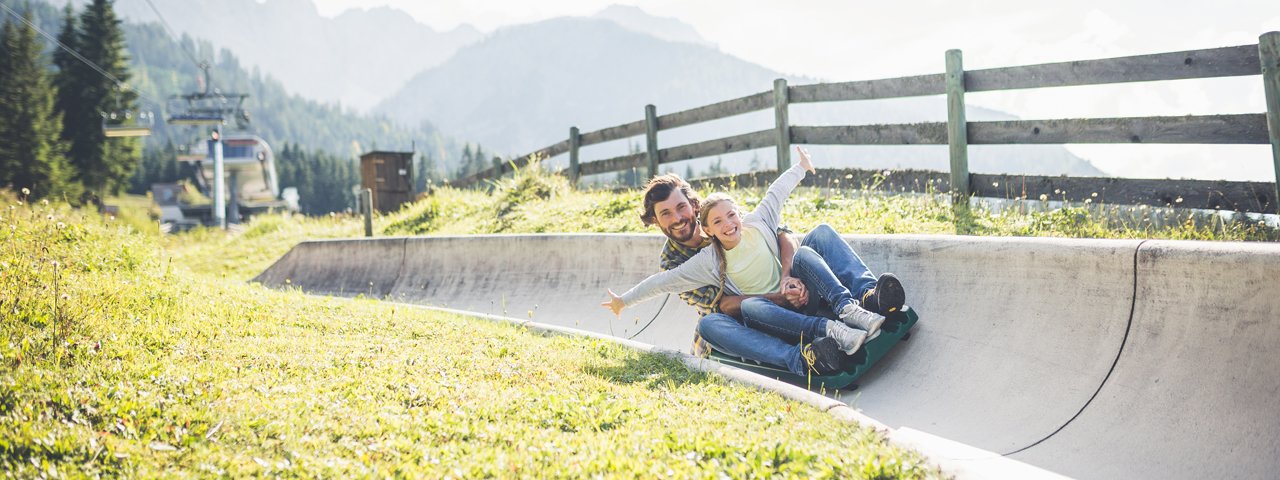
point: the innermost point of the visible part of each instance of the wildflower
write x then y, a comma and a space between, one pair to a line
26, 191
45, 202
886, 173
50, 217
1088, 201
1094, 195
61, 225
1178, 200
1044, 197
995, 184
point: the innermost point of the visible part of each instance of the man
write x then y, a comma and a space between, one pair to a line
672, 205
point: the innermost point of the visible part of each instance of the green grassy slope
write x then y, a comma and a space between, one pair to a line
125, 357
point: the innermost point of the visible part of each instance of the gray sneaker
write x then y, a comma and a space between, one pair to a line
850, 339
858, 317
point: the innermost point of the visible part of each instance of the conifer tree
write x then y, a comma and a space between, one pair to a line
478, 162
69, 86
104, 165
31, 152
464, 166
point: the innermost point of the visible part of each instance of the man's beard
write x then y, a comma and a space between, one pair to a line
671, 231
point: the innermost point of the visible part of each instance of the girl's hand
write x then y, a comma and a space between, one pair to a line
615, 303
804, 159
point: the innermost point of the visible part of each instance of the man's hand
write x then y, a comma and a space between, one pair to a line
804, 159
795, 292
615, 303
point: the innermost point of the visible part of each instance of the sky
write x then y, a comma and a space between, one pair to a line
862, 40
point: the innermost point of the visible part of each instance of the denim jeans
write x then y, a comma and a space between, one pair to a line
731, 336
774, 335
831, 271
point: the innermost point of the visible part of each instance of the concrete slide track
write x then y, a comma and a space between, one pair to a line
1087, 358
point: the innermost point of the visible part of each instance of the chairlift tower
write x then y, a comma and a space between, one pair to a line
214, 108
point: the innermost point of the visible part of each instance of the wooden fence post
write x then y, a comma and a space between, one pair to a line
651, 138
957, 132
1269, 55
366, 199
780, 102
575, 170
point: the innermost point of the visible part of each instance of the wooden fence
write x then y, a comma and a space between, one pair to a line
1258, 128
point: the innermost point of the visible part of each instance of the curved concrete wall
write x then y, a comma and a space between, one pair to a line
1038, 348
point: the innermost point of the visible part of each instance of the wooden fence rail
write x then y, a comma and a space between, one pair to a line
1245, 60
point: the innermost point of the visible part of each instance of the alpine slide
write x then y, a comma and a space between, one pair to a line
1032, 357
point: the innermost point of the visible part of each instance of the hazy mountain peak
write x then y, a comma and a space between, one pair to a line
354, 58
666, 28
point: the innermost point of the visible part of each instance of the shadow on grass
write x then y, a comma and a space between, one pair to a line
653, 370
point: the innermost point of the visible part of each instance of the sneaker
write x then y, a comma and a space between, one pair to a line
859, 317
888, 296
850, 339
823, 356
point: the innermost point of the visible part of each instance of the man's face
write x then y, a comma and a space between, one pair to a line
676, 217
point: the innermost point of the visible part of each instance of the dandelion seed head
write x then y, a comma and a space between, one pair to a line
1088, 201
1094, 194
26, 191
49, 217
44, 202
995, 184
61, 225
1044, 197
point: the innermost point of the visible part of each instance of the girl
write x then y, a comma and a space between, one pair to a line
744, 261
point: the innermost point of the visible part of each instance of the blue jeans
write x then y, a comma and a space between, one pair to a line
733, 337
834, 275
774, 335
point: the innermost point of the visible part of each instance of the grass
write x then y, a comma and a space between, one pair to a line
125, 354
855, 211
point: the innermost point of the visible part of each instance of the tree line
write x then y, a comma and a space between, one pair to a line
51, 125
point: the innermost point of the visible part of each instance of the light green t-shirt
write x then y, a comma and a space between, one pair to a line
751, 265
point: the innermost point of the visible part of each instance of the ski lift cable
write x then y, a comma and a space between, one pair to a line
109, 76
169, 29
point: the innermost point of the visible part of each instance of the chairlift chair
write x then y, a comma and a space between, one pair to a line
127, 123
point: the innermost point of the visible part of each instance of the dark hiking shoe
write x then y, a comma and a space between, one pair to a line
888, 296
823, 356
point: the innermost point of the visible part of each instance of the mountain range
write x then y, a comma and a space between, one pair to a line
521, 87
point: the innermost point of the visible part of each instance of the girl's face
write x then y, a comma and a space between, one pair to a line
725, 224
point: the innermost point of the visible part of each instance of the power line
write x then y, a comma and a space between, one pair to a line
100, 70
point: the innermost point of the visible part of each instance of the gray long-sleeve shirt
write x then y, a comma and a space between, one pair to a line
704, 267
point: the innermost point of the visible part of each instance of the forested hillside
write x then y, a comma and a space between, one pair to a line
162, 67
